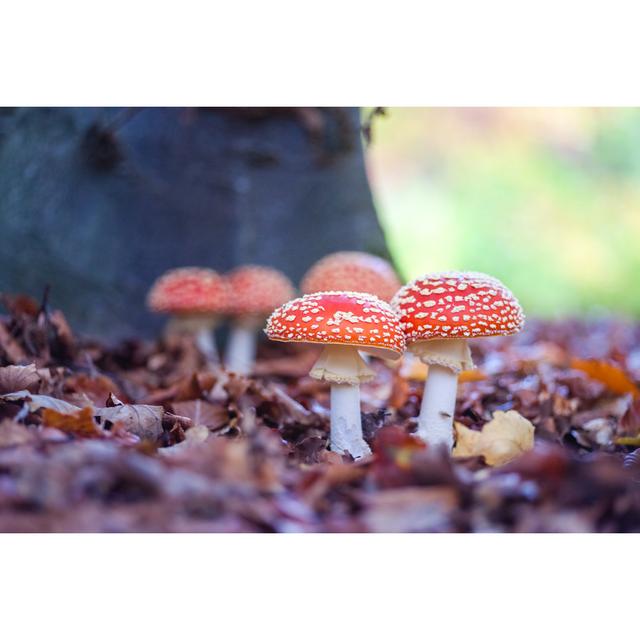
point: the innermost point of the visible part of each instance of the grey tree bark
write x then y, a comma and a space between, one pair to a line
98, 202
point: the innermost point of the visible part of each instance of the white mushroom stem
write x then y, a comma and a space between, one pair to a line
201, 328
343, 367
435, 423
207, 345
446, 359
241, 350
346, 421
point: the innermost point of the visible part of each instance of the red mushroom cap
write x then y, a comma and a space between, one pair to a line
352, 271
257, 291
189, 290
457, 305
339, 317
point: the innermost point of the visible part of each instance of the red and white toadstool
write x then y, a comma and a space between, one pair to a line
254, 293
439, 312
344, 322
195, 297
352, 271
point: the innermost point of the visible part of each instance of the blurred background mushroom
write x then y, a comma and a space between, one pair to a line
195, 298
352, 271
254, 292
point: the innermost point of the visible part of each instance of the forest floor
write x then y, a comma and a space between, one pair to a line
144, 436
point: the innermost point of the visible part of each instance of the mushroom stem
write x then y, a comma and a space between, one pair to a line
446, 359
435, 424
346, 421
343, 367
207, 345
241, 351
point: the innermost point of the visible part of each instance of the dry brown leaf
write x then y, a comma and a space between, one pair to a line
202, 413
501, 440
18, 378
80, 423
193, 438
144, 420
612, 376
97, 388
36, 401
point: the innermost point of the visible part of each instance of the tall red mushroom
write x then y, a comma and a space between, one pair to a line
195, 298
344, 322
254, 292
439, 312
352, 271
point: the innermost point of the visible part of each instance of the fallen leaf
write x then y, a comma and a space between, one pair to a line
18, 378
412, 368
502, 439
193, 437
97, 388
202, 413
80, 423
144, 420
36, 401
612, 376
472, 375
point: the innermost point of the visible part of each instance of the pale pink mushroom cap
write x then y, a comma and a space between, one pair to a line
189, 290
257, 291
352, 271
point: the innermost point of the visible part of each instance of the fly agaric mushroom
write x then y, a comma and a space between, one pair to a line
352, 271
254, 293
439, 312
195, 298
344, 322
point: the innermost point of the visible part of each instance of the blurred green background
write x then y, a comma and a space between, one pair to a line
546, 199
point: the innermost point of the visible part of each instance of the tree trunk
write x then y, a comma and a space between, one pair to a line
98, 202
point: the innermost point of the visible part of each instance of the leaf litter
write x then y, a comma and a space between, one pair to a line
143, 436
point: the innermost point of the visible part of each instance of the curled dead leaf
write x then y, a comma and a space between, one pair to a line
18, 378
501, 440
36, 401
143, 420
